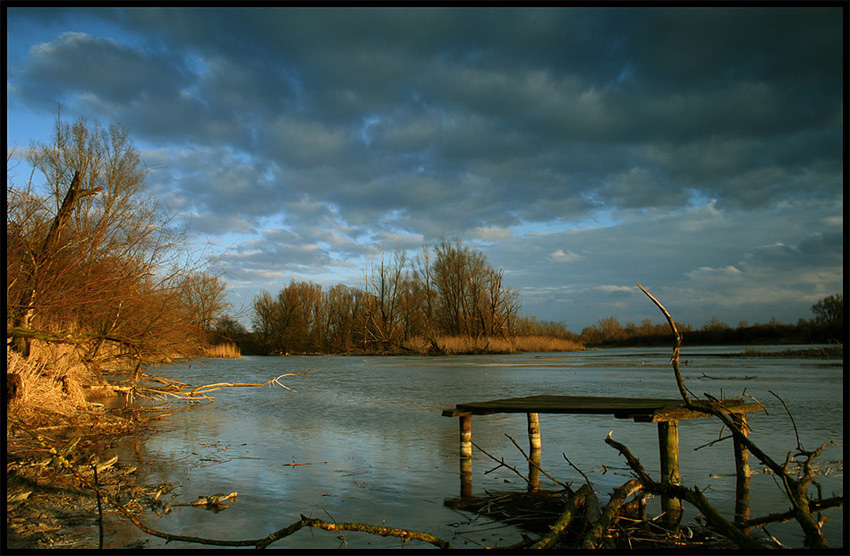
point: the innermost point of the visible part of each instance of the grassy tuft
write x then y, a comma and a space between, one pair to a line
224, 350
51, 380
459, 345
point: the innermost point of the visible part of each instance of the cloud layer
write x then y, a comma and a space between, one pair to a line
582, 149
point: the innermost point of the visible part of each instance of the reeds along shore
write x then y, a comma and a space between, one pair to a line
459, 345
226, 350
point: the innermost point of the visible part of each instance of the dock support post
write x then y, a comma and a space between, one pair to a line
465, 423
534, 452
742, 472
668, 443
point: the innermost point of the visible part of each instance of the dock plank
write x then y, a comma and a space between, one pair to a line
639, 409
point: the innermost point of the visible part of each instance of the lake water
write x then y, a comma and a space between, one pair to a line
376, 449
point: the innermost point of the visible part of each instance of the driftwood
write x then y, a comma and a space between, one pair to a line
192, 394
594, 537
570, 512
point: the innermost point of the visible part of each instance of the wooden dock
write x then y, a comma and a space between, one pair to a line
663, 411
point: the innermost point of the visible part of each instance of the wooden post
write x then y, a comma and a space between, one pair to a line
465, 421
668, 444
534, 452
742, 472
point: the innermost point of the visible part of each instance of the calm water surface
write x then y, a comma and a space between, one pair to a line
376, 449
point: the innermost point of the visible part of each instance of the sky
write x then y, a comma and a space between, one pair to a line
696, 150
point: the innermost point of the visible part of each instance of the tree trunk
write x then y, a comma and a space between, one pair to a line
41, 261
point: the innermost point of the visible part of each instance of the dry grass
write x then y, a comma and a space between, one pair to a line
546, 343
225, 350
458, 345
50, 380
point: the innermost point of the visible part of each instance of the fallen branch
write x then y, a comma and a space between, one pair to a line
675, 359
379, 530
593, 538
814, 507
218, 385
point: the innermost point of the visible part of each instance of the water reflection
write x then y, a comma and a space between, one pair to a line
378, 449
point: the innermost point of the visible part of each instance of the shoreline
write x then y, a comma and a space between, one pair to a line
47, 507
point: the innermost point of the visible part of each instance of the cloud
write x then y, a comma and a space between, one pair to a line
728, 272
122, 74
491, 233
561, 256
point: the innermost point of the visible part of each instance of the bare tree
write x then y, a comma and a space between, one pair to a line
385, 284
91, 253
203, 294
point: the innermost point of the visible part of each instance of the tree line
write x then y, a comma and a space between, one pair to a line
407, 304
827, 326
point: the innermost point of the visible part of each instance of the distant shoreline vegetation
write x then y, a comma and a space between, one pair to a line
827, 327
448, 299
829, 352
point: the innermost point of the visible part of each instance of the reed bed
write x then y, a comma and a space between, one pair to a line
546, 343
226, 350
459, 345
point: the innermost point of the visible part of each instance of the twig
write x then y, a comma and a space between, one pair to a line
587, 480
793, 423
501, 463
99, 510
532, 462
715, 441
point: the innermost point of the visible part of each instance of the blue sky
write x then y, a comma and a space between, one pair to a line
698, 151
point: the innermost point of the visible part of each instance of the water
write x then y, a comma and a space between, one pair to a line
376, 449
